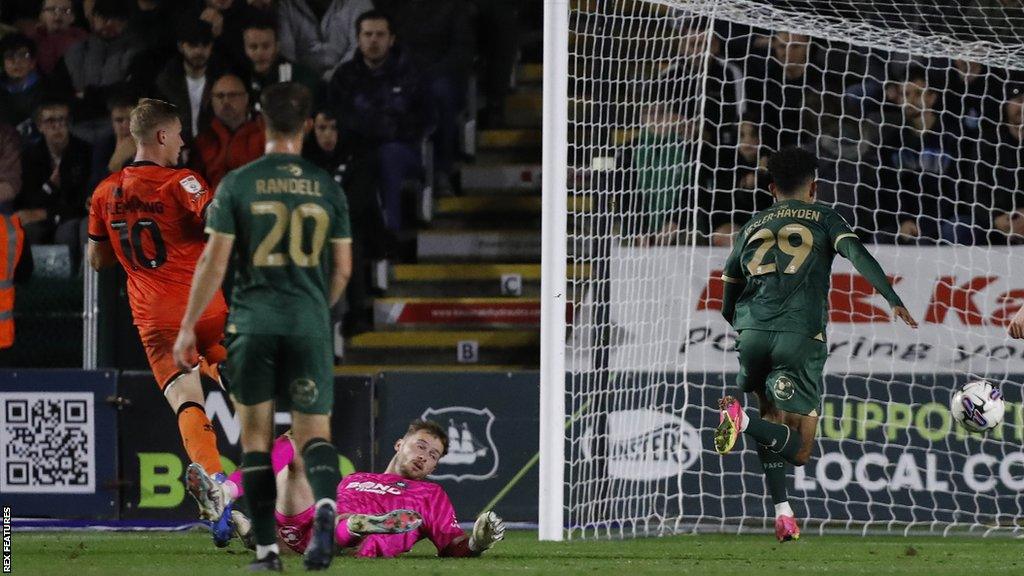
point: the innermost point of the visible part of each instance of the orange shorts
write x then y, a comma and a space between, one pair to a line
159, 346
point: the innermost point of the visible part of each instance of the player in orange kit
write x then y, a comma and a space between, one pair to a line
150, 217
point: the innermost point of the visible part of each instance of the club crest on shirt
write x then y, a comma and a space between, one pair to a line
192, 185
294, 169
472, 454
784, 388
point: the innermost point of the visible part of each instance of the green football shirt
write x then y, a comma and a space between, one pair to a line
281, 210
784, 255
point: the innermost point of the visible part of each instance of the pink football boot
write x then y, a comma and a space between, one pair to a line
786, 528
730, 425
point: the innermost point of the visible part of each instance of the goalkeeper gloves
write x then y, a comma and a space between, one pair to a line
488, 529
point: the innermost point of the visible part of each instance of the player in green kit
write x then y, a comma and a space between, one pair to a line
777, 281
285, 223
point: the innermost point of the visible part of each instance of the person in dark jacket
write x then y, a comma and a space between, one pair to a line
381, 107
54, 196
440, 34
357, 176
265, 66
186, 81
21, 84
90, 68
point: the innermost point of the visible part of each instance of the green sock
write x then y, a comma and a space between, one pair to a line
321, 459
777, 438
261, 491
774, 474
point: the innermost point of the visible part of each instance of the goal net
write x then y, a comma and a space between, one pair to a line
916, 111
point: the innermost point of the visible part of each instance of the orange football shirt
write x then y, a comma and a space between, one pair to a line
153, 218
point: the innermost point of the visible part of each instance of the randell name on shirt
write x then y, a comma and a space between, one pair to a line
300, 186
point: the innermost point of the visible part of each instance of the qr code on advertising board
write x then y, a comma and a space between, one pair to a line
47, 442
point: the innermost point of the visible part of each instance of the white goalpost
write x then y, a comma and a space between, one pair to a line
658, 115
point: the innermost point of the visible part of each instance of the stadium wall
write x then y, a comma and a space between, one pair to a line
103, 445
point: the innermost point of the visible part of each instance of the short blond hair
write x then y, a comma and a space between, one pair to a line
149, 115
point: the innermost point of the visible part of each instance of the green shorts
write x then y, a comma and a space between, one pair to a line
786, 365
296, 371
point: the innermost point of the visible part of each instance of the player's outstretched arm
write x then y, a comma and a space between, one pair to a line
734, 282
342, 254
100, 254
209, 276
853, 250
488, 529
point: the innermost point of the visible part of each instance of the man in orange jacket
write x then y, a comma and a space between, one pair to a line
233, 139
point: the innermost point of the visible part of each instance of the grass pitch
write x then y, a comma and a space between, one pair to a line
192, 554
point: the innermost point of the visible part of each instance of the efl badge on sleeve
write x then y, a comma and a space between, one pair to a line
192, 185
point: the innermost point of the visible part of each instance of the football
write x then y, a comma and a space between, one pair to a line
977, 406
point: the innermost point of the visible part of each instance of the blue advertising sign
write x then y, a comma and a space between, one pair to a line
58, 443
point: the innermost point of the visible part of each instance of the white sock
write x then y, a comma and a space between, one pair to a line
783, 510
262, 551
746, 420
326, 502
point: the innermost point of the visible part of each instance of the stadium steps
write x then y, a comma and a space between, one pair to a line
478, 347
475, 313
510, 138
371, 369
471, 300
508, 245
501, 179
524, 109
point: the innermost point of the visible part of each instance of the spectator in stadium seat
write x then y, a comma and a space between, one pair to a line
52, 204
972, 93
357, 176
319, 34
102, 60
20, 84
186, 80
1000, 199
265, 65
226, 19
55, 33
790, 89
382, 109
440, 34
498, 38
117, 149
724, 104
740, 184
665, 175
233, 138
918, 171
149, 23
10, 167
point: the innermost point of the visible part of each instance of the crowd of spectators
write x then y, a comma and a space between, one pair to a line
912, 150
389, 77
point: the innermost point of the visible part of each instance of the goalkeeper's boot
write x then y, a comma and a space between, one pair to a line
320, 550
270, 563
786, 528
210, 495
730, 425
394, 522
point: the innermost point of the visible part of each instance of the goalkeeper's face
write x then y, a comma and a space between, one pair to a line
417, 454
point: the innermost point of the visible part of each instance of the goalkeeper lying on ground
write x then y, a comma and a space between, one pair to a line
383, 515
